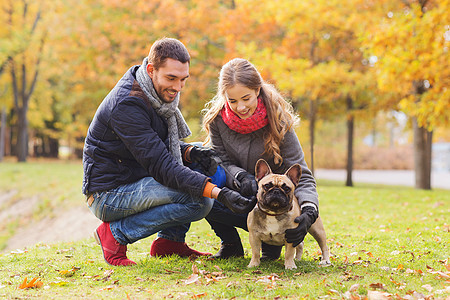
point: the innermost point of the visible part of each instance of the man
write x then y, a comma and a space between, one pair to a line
135, 179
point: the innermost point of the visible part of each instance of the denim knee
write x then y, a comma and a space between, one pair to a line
206, 205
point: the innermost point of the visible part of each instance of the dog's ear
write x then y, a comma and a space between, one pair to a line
294, 173
262, 169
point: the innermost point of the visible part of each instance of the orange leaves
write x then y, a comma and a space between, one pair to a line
33, 284
69, 273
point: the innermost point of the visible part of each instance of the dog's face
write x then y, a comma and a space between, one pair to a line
276, 191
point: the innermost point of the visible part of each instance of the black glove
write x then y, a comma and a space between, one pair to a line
204, 157
249, 187
305, 220
235, 201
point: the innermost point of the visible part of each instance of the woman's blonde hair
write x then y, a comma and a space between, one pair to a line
280, 113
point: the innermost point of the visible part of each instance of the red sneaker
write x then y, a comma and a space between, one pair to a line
164, 247
114, 253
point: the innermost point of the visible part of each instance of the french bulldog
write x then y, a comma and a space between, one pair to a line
275, 211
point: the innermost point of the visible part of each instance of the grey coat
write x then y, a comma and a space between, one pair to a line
241, 152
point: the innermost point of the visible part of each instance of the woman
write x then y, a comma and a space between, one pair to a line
248, 119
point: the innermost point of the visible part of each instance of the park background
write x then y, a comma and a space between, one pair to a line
369, 80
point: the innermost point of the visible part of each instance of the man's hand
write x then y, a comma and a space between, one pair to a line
248, 187
235, 201
296, 235
204, 157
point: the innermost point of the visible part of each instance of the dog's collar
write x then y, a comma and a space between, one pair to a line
273, 215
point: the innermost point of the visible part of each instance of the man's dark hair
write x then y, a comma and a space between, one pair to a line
165, 48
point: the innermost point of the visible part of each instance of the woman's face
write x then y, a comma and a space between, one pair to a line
242, 100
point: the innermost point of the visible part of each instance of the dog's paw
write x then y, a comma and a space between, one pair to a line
290, 266
325, 263
253, 264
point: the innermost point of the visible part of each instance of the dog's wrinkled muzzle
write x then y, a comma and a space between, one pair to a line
275, 202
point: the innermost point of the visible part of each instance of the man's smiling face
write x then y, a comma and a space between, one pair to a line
169, 79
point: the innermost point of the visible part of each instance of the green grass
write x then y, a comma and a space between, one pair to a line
389, 239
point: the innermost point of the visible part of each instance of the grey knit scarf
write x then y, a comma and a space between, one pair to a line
178, 129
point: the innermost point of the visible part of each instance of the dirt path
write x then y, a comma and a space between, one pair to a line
69, 225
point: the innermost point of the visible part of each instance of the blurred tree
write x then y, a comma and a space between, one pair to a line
112, 36
311, 50
23, 19
409, 44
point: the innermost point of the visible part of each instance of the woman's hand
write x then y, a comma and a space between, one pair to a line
235, 201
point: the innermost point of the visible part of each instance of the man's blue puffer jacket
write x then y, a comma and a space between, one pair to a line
127, 141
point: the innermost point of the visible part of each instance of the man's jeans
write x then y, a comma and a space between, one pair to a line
140, 209
223, 221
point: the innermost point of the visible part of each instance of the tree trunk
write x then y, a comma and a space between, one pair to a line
24, 83
2, 133
312, 125
53, 148
422, 156
22, 135
350, 129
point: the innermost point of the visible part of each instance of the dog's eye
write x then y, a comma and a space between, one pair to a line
286, 189
268, 186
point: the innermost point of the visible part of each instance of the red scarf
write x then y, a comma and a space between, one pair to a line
256, 121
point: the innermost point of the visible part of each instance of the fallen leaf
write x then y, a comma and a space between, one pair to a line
199, 295
18, 251
59, 283
443, 275
193, 278
107, 288
331, 292
34, 283
375, 295
378, 285
67, 273
354, 287
195, 269
428, 287
418, 295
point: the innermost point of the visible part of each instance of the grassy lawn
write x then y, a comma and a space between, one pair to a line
386, 243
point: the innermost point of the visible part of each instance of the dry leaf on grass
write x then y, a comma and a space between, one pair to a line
197, 274
428, 287
375, 295
193, 278
195, 296
377, 285
34, 283
354, 287
69, 273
